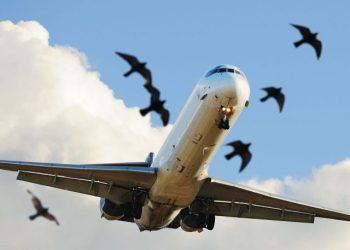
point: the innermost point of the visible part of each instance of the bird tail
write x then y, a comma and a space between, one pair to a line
145, 111
32, 217
264, 98
297, 44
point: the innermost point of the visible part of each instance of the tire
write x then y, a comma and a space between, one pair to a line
210, 222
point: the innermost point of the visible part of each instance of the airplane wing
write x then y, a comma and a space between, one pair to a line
115, 181
226, 199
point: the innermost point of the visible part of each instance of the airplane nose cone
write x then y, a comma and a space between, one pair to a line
228, 81
242, 91
237, 89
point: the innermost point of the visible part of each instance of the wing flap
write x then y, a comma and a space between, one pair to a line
242, 210
99, 189
121, 174
222, 191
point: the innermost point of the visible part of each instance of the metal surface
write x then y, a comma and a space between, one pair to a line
222, 191
124, 175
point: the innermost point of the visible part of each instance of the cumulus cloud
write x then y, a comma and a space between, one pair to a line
54, 108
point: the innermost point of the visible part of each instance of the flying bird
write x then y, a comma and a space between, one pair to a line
275, 93
241, 149
40, 210
156, 104
308, 37
136, 66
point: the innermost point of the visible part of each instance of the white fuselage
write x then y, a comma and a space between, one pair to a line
184, 157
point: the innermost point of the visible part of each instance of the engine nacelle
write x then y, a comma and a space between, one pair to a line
191, 222
113, 211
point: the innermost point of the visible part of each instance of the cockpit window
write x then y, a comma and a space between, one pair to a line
219, 69
211, 72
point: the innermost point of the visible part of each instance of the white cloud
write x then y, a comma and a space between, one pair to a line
273, 186
53, 108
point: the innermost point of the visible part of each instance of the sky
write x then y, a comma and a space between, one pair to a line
63, 98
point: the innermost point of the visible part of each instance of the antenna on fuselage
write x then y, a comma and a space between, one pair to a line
149, 159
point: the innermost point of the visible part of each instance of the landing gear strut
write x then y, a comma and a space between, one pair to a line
224, 123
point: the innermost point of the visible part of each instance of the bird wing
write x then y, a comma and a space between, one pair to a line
317, 46
269, 89
280, 100
235, 200
147, 75
36, 203
246, 157
155, 94
302, 29
149, 87
51, 217
132, 60
164, 115
235, 144
276, 94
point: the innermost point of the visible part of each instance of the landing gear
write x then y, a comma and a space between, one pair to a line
225, 113
136, 210
210, 222
224, 123
138, 199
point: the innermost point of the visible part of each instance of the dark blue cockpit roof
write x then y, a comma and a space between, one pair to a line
222, 69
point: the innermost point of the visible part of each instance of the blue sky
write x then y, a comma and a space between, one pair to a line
181, 40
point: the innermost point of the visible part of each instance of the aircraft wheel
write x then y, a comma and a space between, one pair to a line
137, 211
210, 222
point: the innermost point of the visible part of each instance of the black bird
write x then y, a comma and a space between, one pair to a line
241, 149
309, 38
274, 93
41, 211
156, 104
136, 66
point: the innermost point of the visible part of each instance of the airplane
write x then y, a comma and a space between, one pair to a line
173, 190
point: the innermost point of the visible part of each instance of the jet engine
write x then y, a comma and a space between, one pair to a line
113, 211
191, 222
